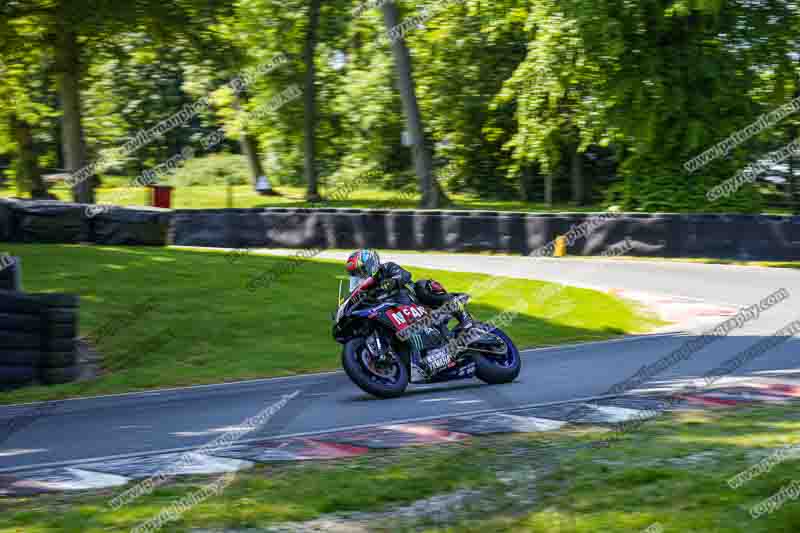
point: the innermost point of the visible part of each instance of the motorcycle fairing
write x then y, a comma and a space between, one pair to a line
402, 316
464, 369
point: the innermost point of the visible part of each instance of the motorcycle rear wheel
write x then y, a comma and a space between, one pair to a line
388, 383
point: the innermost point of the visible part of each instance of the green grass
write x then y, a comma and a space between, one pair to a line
642, 479
205, 327
243, 196
264, 495
115, 191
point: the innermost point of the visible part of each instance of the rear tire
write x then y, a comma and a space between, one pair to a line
494, 373
351, 362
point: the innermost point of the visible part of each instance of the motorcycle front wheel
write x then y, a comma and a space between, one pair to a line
384, 379
497, 359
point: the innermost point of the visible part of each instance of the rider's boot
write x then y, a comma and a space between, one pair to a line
464, 319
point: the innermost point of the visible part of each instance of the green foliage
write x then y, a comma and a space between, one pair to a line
508, 90
214, 169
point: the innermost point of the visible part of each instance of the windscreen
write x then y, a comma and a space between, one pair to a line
355, 281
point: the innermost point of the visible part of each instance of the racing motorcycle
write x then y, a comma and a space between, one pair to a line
375, 334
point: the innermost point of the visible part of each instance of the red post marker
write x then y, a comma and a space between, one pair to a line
161, 196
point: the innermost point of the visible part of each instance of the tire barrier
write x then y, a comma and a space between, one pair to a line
400, 233
227, 228
301, 228
130, 226
48, 221
649, 235
344, 231
57, 376
37, 338
512, 237
60, 349
472, 231
6, 221
541, 231
10, 273
376, 229
743, 237
709, 236
16, 375
429, 230
20, 355
771, 238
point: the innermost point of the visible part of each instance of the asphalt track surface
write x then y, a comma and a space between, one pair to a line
75, 431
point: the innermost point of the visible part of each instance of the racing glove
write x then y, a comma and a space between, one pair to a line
389, 285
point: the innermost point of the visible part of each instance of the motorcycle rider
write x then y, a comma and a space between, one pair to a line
395, 282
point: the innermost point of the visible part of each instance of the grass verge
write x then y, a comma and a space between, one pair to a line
243, 196
166, 317
673, 472
671, 475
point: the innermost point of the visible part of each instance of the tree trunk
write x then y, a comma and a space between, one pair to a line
524, 180
250, 151
310, 104
794, 183
432, 195
72, 141
548, 189
576, 176
794, 193
29, 175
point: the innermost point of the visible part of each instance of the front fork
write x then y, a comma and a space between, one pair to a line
378, 347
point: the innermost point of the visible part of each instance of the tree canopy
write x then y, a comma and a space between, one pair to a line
598, 102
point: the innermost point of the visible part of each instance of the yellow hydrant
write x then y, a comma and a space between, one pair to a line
561, 246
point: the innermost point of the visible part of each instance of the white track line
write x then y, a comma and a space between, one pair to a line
304, 434
154, 392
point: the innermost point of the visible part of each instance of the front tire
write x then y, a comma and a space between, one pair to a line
353, 362
497, 370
